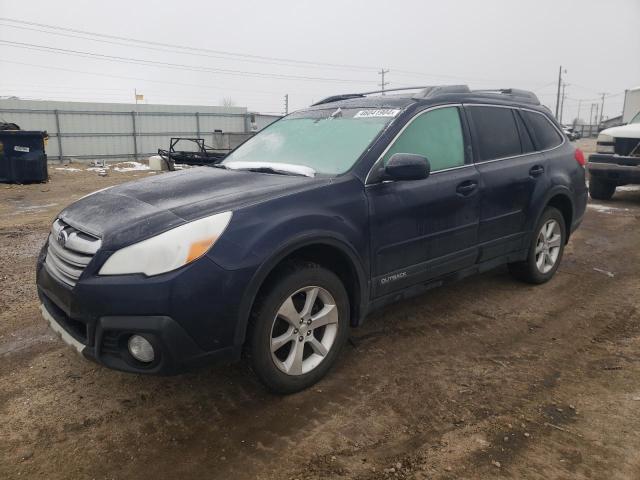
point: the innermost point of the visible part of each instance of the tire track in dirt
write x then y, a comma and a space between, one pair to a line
432, 384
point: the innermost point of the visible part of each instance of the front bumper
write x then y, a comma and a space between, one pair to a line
617, 169
187, 319
174, 350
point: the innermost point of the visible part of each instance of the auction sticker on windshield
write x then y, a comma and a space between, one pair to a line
388, 112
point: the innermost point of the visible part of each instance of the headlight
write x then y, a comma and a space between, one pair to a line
605, 143
169, 250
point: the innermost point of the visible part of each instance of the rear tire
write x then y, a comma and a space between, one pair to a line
601, 189
298, 327
545, 251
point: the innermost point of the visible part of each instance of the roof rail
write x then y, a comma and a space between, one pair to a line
437, 90
336, 98
346, 96
516, 93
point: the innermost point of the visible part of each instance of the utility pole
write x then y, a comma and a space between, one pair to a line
596, 116
602, 106
286, 104
564, 85
382, 82
593, 105
578, 115
558, 95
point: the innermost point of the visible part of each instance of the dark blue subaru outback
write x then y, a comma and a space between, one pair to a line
325, 215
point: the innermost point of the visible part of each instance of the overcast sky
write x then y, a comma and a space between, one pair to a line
254, 52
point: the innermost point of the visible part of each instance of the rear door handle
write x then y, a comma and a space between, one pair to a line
536, 170
465, 188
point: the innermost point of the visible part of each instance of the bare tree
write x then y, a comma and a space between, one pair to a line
228, 102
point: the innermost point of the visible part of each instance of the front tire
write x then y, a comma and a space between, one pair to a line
600, 189
545, 251
298, 327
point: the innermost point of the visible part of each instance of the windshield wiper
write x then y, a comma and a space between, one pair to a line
272, 167
273, 170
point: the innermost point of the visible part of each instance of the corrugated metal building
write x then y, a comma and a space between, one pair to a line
79, 130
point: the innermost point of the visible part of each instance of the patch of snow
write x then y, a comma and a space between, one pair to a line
606, 272
605, 209
120, 167
129, 166
68, 169
34, 208
629, 188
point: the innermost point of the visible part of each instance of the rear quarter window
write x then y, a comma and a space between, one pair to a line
546, 135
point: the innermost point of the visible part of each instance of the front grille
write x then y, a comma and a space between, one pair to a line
627, 146
70, 251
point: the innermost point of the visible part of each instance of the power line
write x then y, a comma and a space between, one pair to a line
179, 66
220, 54
467, 78
124, 77
189, 48
76, 95
171, 50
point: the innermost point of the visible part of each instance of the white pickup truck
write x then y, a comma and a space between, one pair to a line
617, 161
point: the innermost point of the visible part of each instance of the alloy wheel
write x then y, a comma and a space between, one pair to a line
548, 246
304, 330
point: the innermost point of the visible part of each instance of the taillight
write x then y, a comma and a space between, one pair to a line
579, 155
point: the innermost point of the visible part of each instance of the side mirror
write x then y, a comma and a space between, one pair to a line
407, 166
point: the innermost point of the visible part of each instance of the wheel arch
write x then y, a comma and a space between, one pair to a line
328, 251
564, 204
559, 198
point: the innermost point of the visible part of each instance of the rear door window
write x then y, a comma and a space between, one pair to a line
546, 135
496, 132
436, 135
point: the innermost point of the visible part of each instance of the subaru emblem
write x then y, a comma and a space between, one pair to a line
62, 238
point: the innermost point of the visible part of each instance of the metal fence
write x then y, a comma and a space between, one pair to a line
587, 131
83, 131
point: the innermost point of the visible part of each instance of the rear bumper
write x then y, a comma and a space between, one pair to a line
614, 168
580, 208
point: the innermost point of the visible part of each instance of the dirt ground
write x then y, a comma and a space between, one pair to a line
486, 378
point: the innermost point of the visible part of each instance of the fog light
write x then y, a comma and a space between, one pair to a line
141, 349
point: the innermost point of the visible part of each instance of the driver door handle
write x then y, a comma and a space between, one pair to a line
466, 188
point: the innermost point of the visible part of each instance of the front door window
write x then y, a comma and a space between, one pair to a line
436, 135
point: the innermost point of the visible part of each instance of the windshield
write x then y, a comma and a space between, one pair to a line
636, 119
325, 141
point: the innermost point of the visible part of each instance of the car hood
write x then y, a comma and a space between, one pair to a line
625, 131
133, 211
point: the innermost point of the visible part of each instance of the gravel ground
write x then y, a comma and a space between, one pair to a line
486, 378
